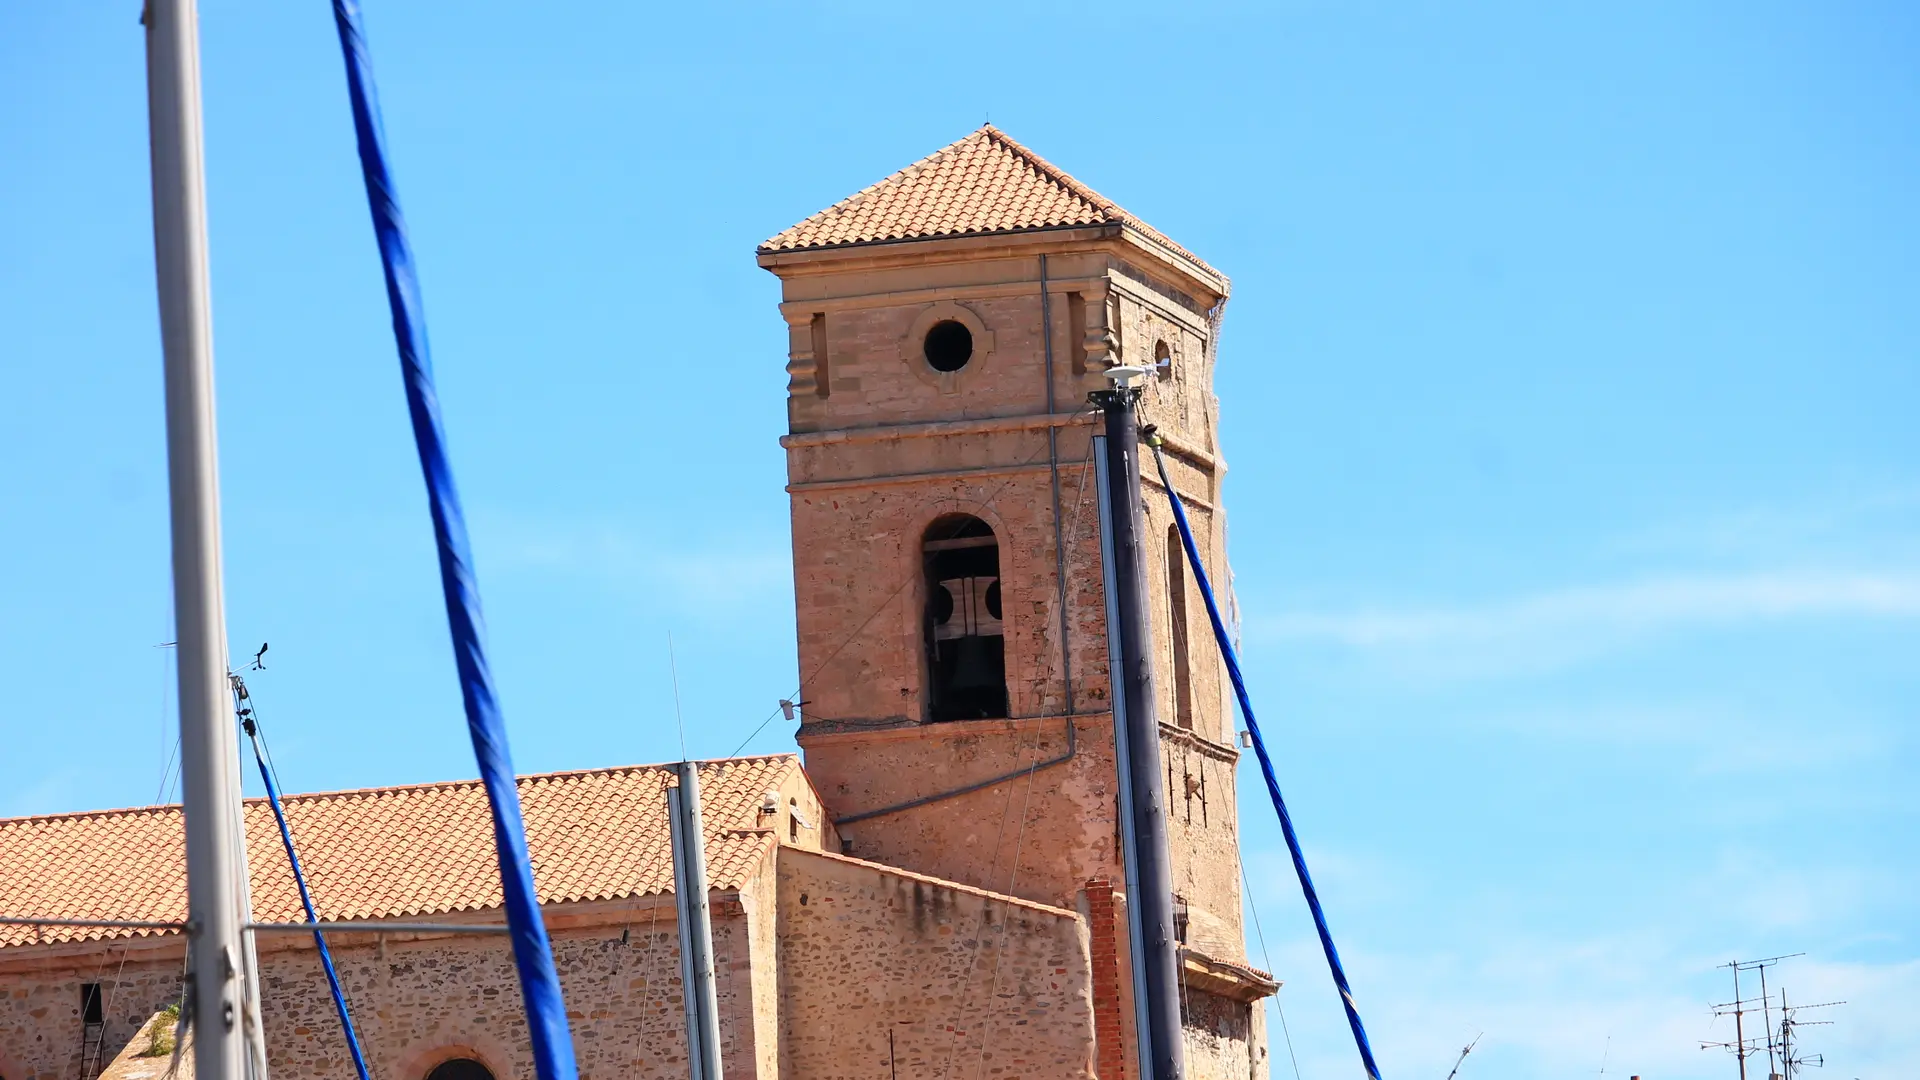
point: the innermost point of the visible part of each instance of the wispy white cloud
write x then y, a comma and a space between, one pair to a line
1859, 523
1717, 736
1631, 606
722, 576
1558, 626
1638, 999
1557, 980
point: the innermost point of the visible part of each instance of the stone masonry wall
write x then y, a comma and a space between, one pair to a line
861, 594
1203, 840
886, 975
1222, 1043
1038, 835
420, 1003
40, 1026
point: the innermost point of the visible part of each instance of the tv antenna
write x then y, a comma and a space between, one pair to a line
1777, 1042
1742, 1047
1791, 1060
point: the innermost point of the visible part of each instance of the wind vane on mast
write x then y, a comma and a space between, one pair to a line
1464, 1051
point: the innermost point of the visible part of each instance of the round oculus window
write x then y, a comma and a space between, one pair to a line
949, 346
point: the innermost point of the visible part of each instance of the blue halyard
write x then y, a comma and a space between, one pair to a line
532, 952
1266, 767
306, 900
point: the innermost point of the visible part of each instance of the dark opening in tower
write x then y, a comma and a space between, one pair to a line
966, 652
1177, 623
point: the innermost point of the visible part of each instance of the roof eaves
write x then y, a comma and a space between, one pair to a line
1154, 241
437, 785
925, 237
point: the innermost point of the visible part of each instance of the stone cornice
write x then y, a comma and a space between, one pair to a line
826, 732
560, 918
1224, 977
888, 254
935, 429
974, 473
1193, 740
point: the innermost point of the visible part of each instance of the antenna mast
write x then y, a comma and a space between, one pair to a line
1741, 1046
1789, 1023
1461, 1060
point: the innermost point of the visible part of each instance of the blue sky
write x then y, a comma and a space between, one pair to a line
1567, 386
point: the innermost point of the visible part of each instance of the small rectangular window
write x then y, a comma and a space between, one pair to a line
91, 1009
821, 375
1177, 624
1077, 332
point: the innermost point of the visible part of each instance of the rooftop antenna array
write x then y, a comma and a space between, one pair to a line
1784, 1061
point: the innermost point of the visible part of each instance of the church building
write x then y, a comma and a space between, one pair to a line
934, 888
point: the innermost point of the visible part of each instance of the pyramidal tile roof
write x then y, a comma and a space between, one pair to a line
985, 183
389, 852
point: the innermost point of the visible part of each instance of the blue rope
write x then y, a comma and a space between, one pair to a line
533, 954
306, 902
1266, 770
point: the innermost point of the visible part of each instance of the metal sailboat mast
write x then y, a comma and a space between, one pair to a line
210, 783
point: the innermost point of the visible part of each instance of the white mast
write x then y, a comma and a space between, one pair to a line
208, 749
696, 924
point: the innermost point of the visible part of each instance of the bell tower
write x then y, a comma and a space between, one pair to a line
945, 327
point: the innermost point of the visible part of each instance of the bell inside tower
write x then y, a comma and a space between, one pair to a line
965, 647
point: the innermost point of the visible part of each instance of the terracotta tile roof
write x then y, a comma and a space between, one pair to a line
388, 852
985, 183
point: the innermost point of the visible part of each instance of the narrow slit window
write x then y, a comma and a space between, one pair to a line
1177, 624
822, 371
1077, 332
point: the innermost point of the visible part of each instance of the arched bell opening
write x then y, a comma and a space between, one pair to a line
460, 1068
965, 644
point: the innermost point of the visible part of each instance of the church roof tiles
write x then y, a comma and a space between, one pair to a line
393, 852
983, 184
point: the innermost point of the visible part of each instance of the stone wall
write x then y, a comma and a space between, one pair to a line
40, 1027
416, 1003
759, 966
1038, 836
860, 590
1203, 840
817, 960
1225, 1038
885, 975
